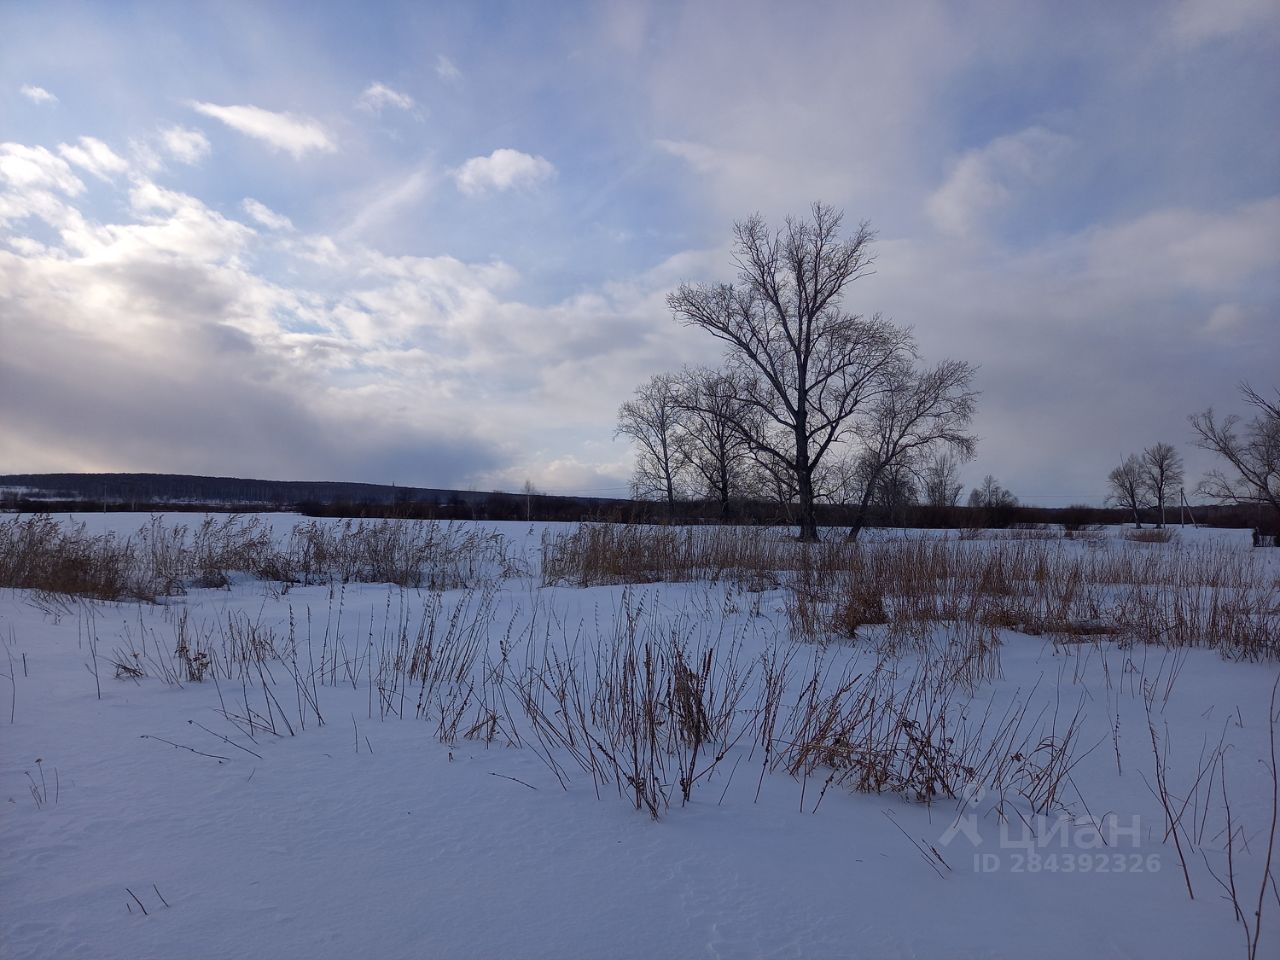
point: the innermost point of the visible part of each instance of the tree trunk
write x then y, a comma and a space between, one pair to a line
804, 473
808, 515
860, 518
804, 490
722, 481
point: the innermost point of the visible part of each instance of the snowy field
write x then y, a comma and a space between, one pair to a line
495, 763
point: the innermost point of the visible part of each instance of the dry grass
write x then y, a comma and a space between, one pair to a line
654, 703
1153, 535
650, 706
1203, 595
616, 553
42, 554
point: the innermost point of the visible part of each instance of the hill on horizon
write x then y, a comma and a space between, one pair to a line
186, 488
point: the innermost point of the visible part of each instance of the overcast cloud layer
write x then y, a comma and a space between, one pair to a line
429, 244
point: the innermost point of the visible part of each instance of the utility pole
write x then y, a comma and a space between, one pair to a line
1182, 495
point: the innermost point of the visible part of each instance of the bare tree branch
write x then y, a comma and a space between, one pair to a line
1251, 449
917, 411
654, 420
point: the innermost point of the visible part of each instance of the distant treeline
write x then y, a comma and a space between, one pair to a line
60, 493
505, 506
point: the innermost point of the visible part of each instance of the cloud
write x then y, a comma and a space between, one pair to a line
265, 215
37, 94
775, 114
569, 475
1225, 319
446, 70
1200, 21
292, 133
95, 157
984, 181
202, 362
1108, 285
185, 145
27, 168
379, 95
1184, 250
504, 169
391, 198
740, 167
702, 158
150, 342
1092, 343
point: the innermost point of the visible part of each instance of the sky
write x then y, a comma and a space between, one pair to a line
430, 243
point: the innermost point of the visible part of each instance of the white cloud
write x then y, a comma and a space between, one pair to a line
26, 168
265, 215
296, 135
379, 95
26, 246
446, 70
170, 225
504, 169
37, 94
145, 156
95, 157
984, 180
185, 145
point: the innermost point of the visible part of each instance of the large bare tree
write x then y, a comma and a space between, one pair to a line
918, 412
653, 419
804, 364
1252, 449
1162, 473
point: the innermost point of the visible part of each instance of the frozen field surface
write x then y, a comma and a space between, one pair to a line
366, 769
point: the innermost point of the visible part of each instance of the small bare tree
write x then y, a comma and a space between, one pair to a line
1252, 449
654, 420
887, 489
991, 496
940, 479
804, 364
1162, 474
1127, 487
719, 428
919, 411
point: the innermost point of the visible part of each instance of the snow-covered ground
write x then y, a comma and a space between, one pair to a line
365, 835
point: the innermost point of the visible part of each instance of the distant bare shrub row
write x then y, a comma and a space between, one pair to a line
44, 554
